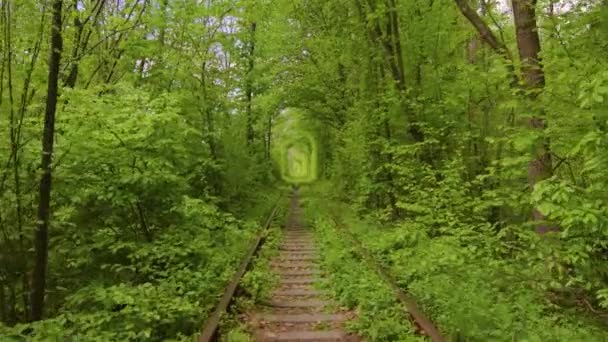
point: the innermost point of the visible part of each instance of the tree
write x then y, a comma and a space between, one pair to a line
249, 84
41, 237
528, 43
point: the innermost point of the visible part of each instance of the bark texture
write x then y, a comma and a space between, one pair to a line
528, 43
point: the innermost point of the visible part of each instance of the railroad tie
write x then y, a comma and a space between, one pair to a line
297, 311
322, 336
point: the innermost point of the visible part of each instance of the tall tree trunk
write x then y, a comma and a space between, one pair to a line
16, 123
376, 84
164, 6
41, 238
70, 81
390, 44
393, 41
528, 44
208, 111
249, 86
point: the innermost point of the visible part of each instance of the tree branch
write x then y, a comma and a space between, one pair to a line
486, 34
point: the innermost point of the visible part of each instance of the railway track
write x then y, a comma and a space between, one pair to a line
297, 310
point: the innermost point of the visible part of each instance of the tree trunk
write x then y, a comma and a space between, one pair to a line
393, 41
41, 238
70, 81
528, 44
164, 6
249, 86
208, 111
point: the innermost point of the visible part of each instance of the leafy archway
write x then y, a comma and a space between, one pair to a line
295, 150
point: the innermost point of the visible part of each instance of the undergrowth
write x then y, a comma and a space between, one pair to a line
458, 280
257, 284
167, 287
379, 317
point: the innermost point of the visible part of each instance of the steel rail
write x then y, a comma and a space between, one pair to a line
427, 326
209, 332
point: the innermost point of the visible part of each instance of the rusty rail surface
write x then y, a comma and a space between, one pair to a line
210, 329
416, 315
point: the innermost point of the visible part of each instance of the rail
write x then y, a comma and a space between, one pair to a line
210, 329
416, 315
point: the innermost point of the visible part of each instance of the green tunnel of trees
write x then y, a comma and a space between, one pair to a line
295, 147
298, 161
142, 140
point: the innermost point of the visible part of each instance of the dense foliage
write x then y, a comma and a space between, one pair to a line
469, 157
154, 199
446, 150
